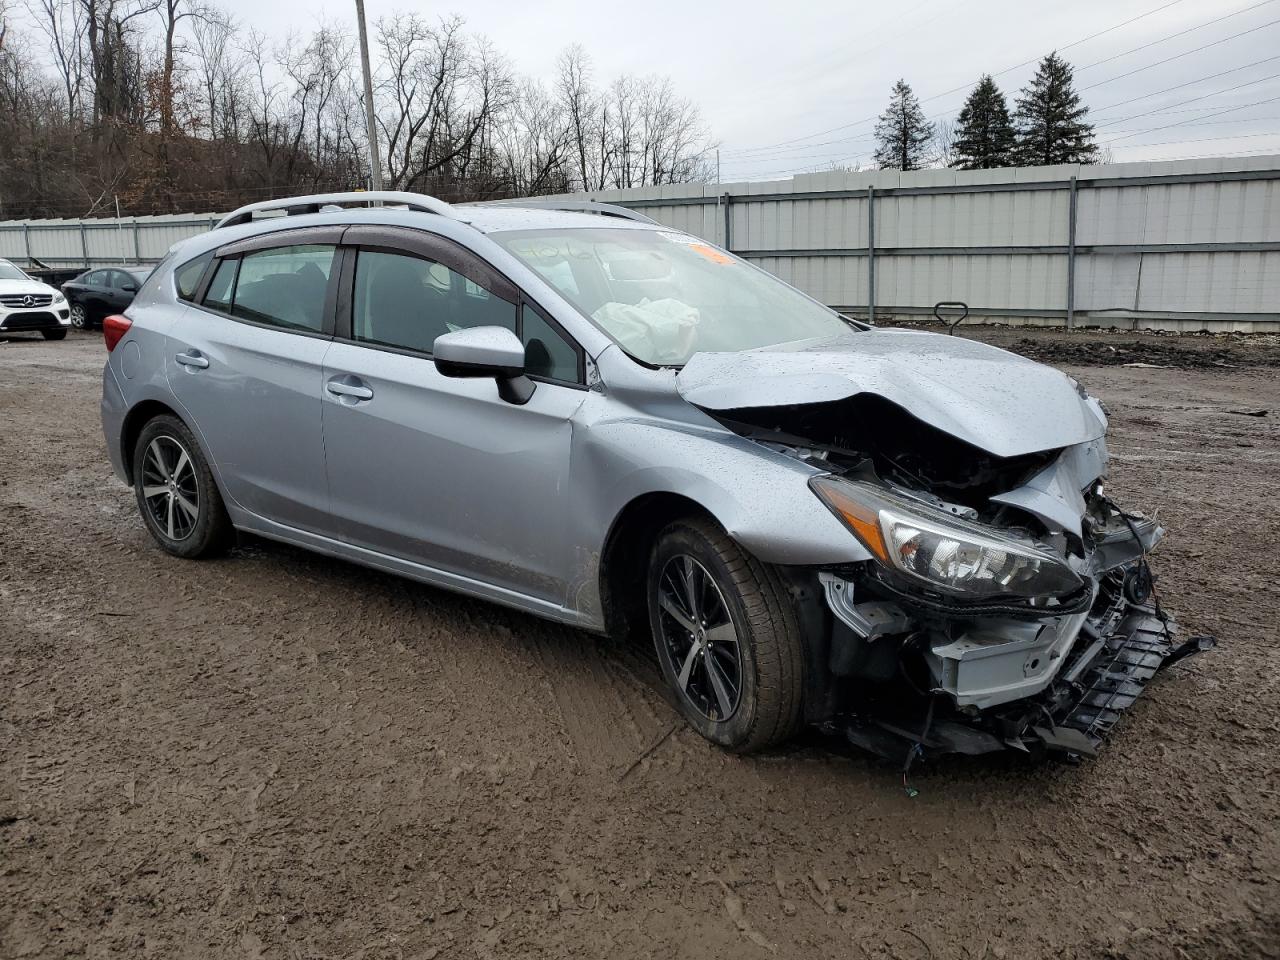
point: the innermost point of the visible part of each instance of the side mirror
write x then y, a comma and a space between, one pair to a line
129, 287
486, 352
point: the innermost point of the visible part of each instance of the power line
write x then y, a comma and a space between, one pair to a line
1173, 36
1212, 76
1111, 122
1160, 63
966, 86
1182, 122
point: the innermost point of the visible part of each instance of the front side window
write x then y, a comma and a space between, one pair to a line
546, 352
664, 296
406, 302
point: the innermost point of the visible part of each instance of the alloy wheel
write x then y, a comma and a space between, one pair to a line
700, 639
169, 488
79, 319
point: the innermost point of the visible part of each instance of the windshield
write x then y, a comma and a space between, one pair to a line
664, 296
9, 272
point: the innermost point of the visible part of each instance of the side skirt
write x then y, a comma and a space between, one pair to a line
252, 523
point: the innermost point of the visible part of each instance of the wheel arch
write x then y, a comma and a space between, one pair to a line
625, 555
138, 417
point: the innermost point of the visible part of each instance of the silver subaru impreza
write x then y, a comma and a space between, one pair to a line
572, 410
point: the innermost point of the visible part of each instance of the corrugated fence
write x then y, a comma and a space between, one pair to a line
1178, 245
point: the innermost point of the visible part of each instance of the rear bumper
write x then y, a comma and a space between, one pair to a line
113, 409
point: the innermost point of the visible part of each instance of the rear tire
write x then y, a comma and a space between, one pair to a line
80, 317
54, 334
177, 496
735, 661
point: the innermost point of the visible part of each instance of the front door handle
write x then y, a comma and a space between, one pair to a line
192, 359
344, 388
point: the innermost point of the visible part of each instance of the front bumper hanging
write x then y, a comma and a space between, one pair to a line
1120, 648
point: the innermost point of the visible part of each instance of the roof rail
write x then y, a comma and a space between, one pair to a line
577, 206
313, 203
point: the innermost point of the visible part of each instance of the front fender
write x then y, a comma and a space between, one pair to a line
760, 497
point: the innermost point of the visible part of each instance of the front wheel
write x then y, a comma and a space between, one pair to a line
726, 637
176, 493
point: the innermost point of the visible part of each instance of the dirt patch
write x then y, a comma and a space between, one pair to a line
276, 755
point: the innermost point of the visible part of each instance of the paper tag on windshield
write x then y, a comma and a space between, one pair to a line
698, 246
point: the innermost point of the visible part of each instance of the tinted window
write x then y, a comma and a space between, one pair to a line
98, 278
187, 277
406, 302
119, 279
284, 287
546, 352
219, 294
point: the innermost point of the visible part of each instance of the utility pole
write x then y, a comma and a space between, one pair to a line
375, 161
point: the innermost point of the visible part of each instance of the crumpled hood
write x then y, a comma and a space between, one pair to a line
997, 401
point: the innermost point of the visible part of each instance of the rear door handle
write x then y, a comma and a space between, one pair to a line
192, 359
345, 388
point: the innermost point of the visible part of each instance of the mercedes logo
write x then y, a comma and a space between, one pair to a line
28, 301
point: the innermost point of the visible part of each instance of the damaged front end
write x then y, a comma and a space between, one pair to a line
1006, 602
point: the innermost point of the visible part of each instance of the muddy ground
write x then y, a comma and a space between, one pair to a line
278, 755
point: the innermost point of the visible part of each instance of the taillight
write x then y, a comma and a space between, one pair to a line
113, 328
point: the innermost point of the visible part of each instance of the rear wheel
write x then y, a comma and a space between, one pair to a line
177, 496
79, 317
726, 636
54, 334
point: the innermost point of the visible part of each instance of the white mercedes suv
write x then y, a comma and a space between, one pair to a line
29, 305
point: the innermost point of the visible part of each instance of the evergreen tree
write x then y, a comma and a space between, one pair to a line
1050, 118
985, 138
903, 134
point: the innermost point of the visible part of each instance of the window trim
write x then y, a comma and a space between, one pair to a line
327, 319
388, 240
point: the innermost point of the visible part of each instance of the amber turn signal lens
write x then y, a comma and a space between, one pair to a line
864, 521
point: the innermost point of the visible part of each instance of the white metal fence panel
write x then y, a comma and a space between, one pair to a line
1191, 244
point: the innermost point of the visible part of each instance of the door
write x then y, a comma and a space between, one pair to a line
94, 296
438, 470
120, 290
246, 364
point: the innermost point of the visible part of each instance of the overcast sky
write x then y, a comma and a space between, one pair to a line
794, 87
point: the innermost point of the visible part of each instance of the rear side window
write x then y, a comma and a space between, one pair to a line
284, 287
187, 277
406, 302
222, 286
546, 352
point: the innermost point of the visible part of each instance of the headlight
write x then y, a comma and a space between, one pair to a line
946, 553
59, 298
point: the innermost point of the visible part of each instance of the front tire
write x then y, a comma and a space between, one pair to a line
726, 636
54, 334
177, 497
